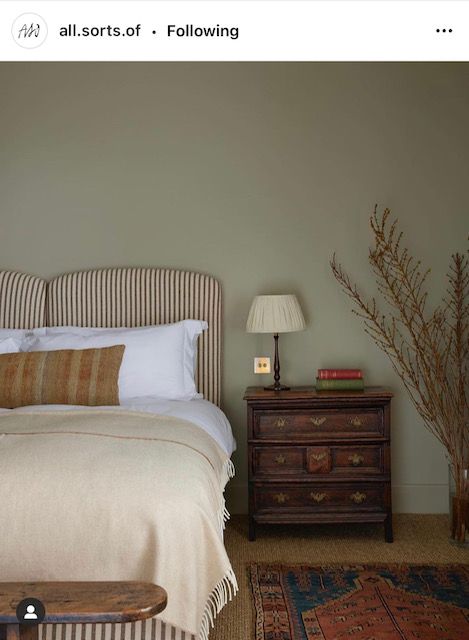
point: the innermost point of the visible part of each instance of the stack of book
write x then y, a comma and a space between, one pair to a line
340, 380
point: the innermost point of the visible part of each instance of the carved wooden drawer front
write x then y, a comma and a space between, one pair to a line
357, 460
278, 461
318, 460
309, 461
306, 425
319, 497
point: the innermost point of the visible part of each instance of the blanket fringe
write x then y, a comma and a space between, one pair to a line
230, 469
224, 591
227, 588
223, 513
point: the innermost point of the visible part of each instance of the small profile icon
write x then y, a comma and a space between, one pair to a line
29, 30
30, 611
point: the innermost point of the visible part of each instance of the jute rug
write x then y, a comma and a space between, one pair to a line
361, 602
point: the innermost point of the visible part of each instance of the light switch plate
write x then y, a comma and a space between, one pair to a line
262, 365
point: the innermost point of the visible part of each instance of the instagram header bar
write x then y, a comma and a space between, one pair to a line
261, 30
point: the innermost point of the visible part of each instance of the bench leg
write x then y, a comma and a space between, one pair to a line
19, 632
29, 632
12, 632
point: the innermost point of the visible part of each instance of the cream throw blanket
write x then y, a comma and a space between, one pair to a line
113, 495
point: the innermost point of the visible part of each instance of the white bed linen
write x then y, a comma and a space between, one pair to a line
158, 361
204, 414
117, 495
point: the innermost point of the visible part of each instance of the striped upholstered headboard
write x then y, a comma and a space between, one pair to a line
22, 301
123, 297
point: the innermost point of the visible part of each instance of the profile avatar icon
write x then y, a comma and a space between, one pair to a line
30, 612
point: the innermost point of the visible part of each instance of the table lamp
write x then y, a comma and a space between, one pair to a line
275, 314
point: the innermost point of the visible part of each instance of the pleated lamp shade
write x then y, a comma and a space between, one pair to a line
275, 314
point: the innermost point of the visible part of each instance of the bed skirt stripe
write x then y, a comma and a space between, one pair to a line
152, 629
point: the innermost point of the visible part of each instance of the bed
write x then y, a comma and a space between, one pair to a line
131, 492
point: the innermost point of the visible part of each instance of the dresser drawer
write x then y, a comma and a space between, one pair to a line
357, 460
319, 497
311, 424
276, 461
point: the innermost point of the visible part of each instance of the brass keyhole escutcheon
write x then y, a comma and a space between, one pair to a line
281, 423
318, 497
356, 421
318, 456
358, 497
281, 498
280, 459
356, 459
318, 421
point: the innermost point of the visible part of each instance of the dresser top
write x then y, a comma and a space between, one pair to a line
305, 393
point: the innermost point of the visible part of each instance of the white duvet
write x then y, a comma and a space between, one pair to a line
204, 414
119, 494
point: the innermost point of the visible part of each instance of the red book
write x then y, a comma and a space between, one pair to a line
343, 374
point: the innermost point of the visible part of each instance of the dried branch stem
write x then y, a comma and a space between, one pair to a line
428, 350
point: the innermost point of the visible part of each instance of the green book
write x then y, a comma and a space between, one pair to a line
338, 384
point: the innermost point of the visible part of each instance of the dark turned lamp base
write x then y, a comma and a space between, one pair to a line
277, 386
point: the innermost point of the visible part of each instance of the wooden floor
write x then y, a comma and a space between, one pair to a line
417, 538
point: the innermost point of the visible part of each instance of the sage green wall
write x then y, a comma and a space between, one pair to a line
255, 173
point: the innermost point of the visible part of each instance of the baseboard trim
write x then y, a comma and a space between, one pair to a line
406, 498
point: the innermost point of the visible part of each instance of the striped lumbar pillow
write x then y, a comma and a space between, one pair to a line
69, 376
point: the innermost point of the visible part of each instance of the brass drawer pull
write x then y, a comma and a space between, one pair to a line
281, 422
280, 459
356, 460
318, 497
356, 421
358, 497
318, 421
319, 456
281, 498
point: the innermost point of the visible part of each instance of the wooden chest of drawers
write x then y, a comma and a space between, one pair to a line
319, 457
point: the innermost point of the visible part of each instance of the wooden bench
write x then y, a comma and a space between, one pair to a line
78, 602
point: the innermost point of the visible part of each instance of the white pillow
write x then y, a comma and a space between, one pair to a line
12, 333
23, 337
158, 361
9, 345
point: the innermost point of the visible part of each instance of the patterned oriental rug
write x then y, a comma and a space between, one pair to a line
361, 602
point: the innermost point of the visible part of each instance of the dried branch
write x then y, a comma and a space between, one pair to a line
428, 350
